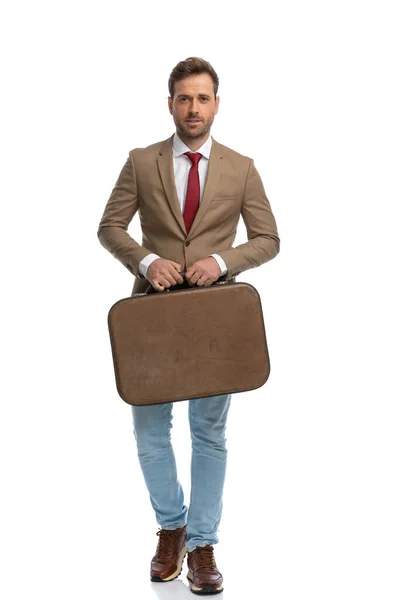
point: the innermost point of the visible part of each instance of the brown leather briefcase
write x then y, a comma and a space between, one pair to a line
188, 342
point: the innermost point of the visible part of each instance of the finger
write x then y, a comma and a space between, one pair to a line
195, 278
167, 278
157, 286
202, 281
190, 271
162, 282
177, 277
210, 281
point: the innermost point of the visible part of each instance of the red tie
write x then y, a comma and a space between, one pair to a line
193, 190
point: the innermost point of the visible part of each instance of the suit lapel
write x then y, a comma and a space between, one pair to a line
212, 181
166, 170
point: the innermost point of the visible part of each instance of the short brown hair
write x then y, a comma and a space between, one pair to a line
191, 66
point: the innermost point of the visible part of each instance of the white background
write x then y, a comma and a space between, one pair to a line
310, 90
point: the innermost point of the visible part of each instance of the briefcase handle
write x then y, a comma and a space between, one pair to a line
185, 285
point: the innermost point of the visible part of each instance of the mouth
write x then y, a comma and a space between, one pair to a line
193, 121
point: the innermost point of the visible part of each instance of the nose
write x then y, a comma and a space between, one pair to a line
194, 108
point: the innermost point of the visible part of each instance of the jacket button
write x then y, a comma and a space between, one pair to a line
187, 243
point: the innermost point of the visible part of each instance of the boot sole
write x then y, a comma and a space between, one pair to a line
206, 590
174, 575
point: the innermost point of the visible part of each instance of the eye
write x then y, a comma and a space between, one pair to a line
204, 98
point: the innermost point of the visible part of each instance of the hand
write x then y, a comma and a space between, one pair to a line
203, 272
162, 273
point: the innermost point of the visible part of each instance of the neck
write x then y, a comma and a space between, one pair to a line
193, 144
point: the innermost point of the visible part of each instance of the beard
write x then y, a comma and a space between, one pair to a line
183, 130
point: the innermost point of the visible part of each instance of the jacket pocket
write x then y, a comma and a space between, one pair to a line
227, 197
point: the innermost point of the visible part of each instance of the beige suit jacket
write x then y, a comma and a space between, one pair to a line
233, 188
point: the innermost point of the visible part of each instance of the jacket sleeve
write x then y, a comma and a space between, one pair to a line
118, 213
263, 240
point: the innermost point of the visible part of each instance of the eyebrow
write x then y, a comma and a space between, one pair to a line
189, 96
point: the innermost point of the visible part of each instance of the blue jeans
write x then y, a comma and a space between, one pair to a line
152, 430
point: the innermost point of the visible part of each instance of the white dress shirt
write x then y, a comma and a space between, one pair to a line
182, 165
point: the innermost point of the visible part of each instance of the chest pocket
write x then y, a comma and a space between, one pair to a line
227, 197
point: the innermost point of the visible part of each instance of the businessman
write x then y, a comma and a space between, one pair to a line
190, 192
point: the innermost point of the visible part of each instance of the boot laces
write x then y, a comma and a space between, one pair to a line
164, 547
205, 557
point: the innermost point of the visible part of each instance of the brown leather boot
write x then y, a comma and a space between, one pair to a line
203, 572
167, 562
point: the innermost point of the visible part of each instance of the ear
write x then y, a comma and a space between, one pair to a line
216, 105
170, 104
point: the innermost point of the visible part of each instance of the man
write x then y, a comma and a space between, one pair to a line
190, 192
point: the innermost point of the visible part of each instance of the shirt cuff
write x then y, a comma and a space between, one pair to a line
221, 263
146, 262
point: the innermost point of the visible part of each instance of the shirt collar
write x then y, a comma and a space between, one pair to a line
179, 148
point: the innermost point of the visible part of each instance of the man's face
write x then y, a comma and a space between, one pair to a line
193, 106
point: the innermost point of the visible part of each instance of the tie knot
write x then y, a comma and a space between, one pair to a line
194, 157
